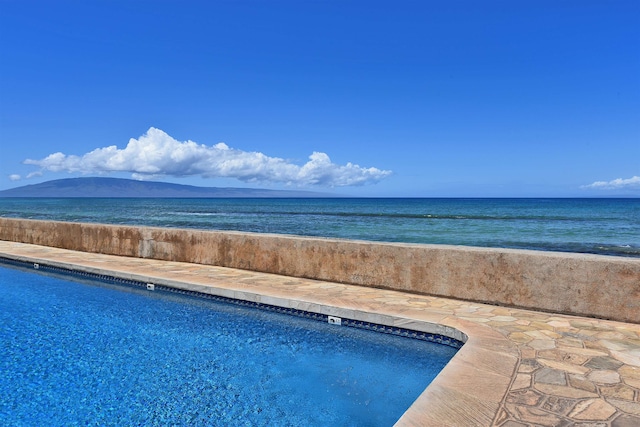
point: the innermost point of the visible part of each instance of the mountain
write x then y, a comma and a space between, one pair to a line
117, 187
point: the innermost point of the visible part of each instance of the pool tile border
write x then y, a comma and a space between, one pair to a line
324, 318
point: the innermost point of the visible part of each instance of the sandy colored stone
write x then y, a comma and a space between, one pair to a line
618, 391
563, 366
581, 382
535, 416
551, 334
569, 342
621, 345
513, 424
528, 365
503, 319
591, 424
632, 382
521, 381
542, 344
604, 377
502, 416
626, 406
592, 409
563, 356
630, 371
563, 391
539, 334
520, 337
527, 353
612, 335
541, 325
525, 397
559, 323
589, 352
580, 323
488, 360
455, 408
627, 358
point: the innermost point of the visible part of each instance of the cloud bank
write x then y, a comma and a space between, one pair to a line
157, 154
632, 183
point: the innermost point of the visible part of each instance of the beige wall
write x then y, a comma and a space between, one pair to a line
588, 285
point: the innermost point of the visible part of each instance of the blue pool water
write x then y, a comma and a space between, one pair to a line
95, 353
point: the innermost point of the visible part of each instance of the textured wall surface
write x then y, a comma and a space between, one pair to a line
588, 285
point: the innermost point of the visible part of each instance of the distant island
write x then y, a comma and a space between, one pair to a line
118, 187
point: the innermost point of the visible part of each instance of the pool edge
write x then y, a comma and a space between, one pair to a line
429, 407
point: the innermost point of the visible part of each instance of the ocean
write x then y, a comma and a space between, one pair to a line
597, 226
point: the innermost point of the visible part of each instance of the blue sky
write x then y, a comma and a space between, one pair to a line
363, 98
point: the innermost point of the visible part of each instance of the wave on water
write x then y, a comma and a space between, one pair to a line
620, 250
392, 215
575, 247
198, 213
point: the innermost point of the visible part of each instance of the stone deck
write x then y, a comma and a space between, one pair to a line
517, 368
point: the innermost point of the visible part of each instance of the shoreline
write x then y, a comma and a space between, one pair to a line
587, 226
544, 249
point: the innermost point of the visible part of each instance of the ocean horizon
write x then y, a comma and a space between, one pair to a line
604, 226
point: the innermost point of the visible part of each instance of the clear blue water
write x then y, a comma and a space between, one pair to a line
600, 226
96, 354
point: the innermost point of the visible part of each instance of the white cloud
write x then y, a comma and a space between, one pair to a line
632, 183
157, 154
15, 177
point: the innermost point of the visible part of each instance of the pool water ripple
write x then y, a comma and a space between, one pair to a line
103, 354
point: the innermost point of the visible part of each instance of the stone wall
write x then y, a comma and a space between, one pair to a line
587, 285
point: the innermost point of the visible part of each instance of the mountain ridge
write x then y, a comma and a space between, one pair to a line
129, 188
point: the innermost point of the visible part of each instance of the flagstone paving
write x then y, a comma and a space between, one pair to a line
517, 368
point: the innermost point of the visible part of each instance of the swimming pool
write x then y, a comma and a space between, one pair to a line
99, 353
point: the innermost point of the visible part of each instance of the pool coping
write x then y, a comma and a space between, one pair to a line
517, 367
